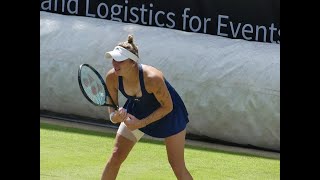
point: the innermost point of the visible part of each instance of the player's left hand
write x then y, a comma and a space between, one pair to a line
133, 123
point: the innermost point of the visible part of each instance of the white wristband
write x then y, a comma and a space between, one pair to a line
110, 116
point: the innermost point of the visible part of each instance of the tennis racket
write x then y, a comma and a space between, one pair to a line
93, 86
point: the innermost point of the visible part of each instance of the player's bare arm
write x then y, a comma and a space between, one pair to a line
111, 80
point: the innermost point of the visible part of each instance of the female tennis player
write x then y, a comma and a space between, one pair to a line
153, 107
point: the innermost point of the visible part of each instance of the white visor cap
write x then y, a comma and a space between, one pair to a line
120, 54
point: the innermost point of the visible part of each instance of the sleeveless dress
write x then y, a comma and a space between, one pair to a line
143, 106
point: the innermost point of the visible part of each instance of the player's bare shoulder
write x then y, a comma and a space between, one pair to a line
111, 78
152, 77
151, 72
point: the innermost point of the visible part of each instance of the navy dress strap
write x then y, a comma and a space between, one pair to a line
121, 89
141, 80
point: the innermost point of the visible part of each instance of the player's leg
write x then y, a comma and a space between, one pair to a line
175, 151
120, 152
124, 142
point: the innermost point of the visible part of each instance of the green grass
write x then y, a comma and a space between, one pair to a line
75, 154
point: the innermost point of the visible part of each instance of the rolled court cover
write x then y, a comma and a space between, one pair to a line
231, 87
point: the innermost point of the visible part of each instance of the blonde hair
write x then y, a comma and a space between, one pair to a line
129, 45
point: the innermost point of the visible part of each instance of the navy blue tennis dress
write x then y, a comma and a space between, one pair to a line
143, 106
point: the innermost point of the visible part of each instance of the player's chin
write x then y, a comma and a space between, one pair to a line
117, 72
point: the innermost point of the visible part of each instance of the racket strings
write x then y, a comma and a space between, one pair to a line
92, 86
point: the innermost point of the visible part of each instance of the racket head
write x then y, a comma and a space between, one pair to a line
93, 86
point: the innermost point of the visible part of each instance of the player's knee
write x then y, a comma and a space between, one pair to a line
117, 158
171, 162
